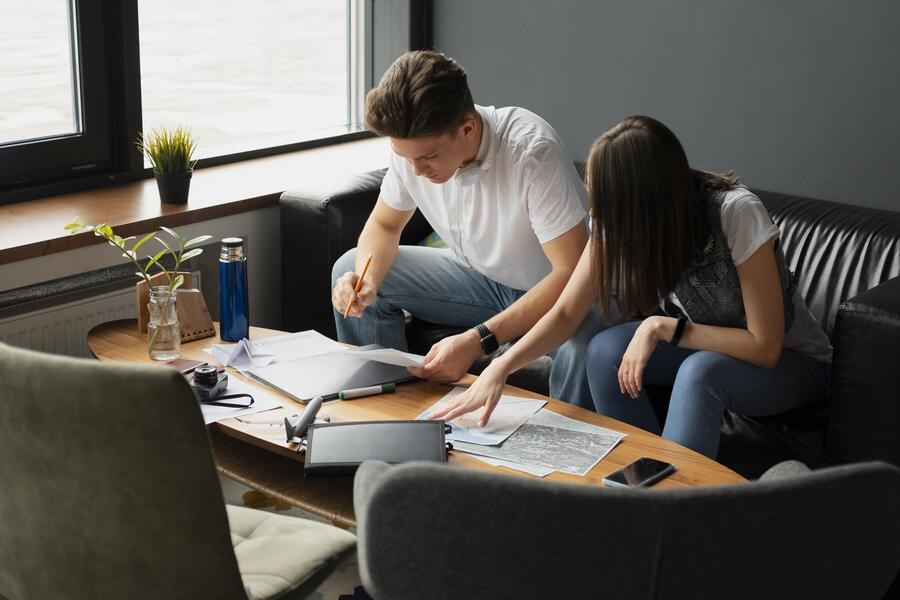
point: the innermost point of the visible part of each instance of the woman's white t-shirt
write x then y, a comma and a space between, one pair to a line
747, 226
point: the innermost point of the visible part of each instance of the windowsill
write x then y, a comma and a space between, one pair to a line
35, 227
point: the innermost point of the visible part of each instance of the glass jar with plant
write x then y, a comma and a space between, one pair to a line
171, 153
163, 331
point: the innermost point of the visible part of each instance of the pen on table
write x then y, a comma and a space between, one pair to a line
358, 285
387, 388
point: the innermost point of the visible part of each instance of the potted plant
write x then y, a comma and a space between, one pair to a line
171, 153
163, 331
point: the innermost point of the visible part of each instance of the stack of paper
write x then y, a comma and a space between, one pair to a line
528, 438
249, 354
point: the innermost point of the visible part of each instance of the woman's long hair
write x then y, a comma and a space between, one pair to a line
647, 220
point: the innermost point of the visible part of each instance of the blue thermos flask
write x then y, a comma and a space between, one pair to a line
234, 309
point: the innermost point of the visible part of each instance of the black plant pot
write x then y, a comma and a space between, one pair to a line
173, 187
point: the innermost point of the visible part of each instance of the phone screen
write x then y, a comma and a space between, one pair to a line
640, 473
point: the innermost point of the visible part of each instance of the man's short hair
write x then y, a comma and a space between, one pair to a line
422, 93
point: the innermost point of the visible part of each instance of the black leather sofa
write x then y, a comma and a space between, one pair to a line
847, 262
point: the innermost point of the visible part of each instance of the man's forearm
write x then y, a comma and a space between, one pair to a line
383, 244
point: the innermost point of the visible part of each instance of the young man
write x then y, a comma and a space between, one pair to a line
499, 187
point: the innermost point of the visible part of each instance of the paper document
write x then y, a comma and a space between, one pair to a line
242, 356
298, 345
262, 400
553, 441
389, 356
249, 354
509, 414
530, 469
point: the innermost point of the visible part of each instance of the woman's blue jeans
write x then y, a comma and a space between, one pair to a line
703, 385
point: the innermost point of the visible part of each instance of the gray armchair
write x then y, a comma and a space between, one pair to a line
108, 490
435, 531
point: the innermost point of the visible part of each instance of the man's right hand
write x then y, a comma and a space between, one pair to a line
343, 294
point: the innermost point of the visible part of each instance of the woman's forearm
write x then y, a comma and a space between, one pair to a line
559, 323
735, 342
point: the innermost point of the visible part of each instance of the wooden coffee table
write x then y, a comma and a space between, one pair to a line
257, 455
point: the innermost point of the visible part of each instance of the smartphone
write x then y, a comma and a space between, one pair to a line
643, 472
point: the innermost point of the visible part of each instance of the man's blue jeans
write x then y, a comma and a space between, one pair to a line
432, 285
703, 384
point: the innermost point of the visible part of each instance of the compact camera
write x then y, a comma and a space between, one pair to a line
209, 383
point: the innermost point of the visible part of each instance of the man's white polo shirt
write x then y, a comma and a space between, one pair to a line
521, 191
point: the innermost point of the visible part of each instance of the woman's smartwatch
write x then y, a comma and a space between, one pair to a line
679, 331
488, 339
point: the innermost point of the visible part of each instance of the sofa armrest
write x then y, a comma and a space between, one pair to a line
864, 416
318, 224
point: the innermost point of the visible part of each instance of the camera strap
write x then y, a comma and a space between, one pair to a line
217, 401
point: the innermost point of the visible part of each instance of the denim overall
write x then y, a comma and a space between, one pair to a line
710, 290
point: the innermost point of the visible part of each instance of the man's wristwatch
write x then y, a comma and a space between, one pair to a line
488, 339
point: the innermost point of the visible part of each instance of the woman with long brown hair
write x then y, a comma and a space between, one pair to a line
690, 261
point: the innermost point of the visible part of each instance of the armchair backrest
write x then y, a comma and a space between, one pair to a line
440, 532
107, 484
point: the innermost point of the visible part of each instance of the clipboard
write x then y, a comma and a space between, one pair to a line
339, 448
327, 374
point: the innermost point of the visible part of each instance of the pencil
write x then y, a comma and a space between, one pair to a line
358, 285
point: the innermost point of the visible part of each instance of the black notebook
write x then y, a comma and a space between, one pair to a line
340, 447
327, 374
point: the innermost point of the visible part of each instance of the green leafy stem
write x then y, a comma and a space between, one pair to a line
178, 247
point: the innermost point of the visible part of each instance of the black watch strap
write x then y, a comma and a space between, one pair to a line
488, 340
679, 331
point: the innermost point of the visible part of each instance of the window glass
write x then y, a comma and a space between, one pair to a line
37, 72
245, 75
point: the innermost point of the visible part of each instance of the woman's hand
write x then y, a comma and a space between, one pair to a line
486, 392
642, 345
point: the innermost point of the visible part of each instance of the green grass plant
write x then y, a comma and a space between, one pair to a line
169, 150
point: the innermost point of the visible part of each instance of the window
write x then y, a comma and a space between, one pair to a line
54, 106
252, 76
81, 78
38, 78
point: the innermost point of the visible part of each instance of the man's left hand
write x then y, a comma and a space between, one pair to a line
450, 358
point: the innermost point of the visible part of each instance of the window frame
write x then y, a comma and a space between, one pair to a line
50, 157
109, 48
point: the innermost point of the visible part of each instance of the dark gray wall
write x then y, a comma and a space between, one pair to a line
797, 97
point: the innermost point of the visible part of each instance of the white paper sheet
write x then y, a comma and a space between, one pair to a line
509, 414
389, 356
530, 469
242, 356
249, 354
262, 400
297, 345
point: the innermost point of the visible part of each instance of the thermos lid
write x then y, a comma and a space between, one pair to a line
232, 242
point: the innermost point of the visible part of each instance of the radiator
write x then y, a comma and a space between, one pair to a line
63, 329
